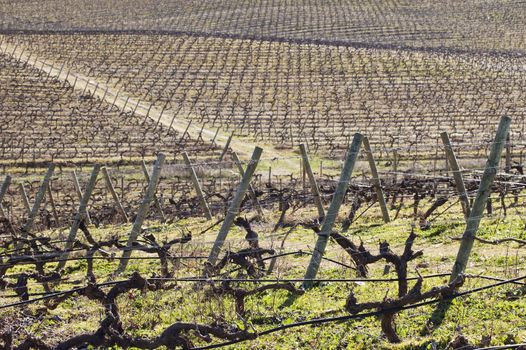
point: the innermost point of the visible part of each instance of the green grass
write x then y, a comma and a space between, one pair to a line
490, 313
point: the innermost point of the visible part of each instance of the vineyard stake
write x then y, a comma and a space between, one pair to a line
251, 191
27, 60
125, 104
303, 175
3, 214
197, 186
52, 202
66, 81
457, 174
473, 222
111, 188
50, 70
135, 109
483, 192
85, 88
75, 82
36, 206
3, 191
76, 184
435, 183
227, 145
142, 212
104, 96
185, 130
233, 209
148, 112
21, 53
115, 100
214, 139
313, 184
332, 213
171, 123
395, 165
80, 215
61, 68
376, 180
155, 199
446, 164
200, 136
507, 169
25, 200
160, 116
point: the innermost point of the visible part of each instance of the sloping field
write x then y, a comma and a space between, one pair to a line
287, 93
43, 119
463, 25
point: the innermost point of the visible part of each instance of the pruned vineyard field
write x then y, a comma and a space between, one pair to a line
262, 174
465, 26
43, 120
286, 94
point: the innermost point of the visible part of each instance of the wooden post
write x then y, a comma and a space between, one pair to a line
332, 213
115, 99
142, 212
395, 165
435, 182
483, 192
155, 199
79, 216
446, 164
79, 194
103, 96
160, 116
313, 184
171, 123
507, 169
28, 226
52, 202
25, 200
233, 209
227, 145
197, 185
303, 175
376, 180
475, 215
457, 174
85, 86
125, 104
3, 191
215, 136
111, 188
185, 130
251, 191
148, 112
136, 106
